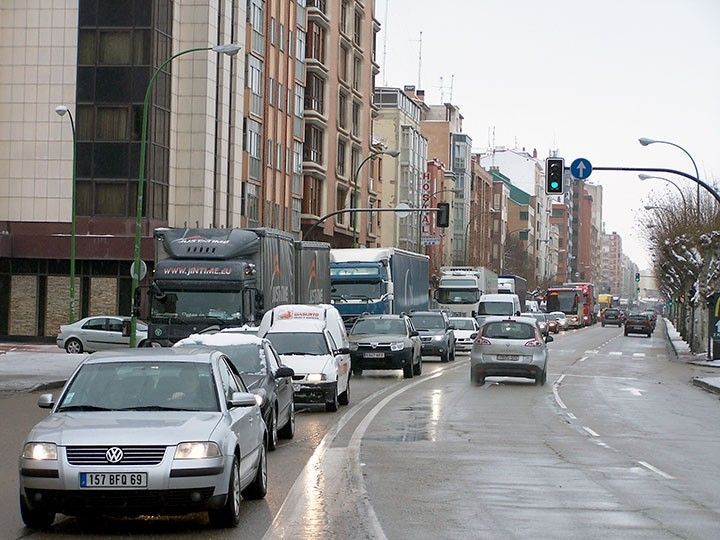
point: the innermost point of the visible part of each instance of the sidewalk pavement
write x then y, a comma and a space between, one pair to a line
25, 367
682, 352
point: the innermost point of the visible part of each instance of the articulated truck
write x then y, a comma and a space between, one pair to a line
378, 281
461, 287
230, 277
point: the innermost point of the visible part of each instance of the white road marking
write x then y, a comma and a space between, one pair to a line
634, 391
583, 359
602, 377
594, 351
560, 379
590, 431
556, 394
615, 353
571, 416
639, 354
656, 470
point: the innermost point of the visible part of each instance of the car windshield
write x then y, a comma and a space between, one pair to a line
379, 326
556, 315
462, 324
247, 358
495, 308
313, 343
183, 386
508, 330
428, 322
218, 305
539, 316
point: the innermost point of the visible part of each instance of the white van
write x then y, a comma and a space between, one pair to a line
311, 339
493, 305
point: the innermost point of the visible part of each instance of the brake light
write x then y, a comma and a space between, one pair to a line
533, 343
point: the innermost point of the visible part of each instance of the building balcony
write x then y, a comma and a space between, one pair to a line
315, 168
316, 65
317, 11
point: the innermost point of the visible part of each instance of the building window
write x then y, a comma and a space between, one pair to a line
524, 216
279, 156
313, 148
316, 42
357, 73
115, 48
271, 92
296, 213
342, 110
252, 147
111, 123
340, 204
252, 202
281, 96
254, 77
297, 167
281, 37
256, 19
343, 64
344, 17
341, 158
272, 31
312, 196
315, 93
354, 161
356, 118
357, 29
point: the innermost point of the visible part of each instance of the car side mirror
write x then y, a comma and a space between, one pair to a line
242, 399
451, 327
46, 401
473, 335
341, 350
284, 371
517, 313
549, 338
414, 333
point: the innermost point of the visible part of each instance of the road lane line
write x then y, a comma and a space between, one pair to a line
297, 509
571, 416
656, 470
583, 359
615, 353
590, 431
639, 354
592, 351
556, 394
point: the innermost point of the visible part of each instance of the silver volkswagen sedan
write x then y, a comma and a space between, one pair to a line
142, 432
509, 347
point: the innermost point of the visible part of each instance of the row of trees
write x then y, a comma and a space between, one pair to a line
684, 238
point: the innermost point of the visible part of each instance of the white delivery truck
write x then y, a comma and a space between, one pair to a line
460, 288
497, 305
311, 339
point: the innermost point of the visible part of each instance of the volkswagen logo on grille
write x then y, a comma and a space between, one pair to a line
114, 455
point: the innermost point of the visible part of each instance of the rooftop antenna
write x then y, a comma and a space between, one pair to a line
385, 35
442, 90
419, 82
452, 82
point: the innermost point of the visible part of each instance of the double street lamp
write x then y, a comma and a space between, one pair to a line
356, 175
230, 49
61, 110
651, 177
645, 141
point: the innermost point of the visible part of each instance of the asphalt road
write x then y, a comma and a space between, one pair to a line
617, 444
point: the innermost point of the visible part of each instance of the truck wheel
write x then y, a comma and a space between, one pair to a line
332, 406
344, 398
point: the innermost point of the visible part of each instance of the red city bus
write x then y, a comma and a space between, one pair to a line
575, 300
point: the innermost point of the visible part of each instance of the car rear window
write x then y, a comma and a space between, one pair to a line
508, 330
638, 317
611, 311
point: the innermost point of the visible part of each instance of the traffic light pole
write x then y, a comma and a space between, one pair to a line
710, 190
319, 222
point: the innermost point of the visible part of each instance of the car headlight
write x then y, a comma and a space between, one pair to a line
197, 450
353, 346
438, 338
316, 377
397, 346
41, 451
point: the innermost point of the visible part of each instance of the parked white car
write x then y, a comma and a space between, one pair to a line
312, 340
99, 333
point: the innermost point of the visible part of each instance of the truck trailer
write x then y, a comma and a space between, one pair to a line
230, 277
378, 281
512, 284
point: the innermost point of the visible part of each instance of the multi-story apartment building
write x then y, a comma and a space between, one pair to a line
560, 221
500, 218
479, 227
340, 70
611, 264
442, 125
434, 190
97, 60
397, 126
629, 287
596, 229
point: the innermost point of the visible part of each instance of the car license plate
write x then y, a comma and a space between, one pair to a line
508, 357
374, 355
113, 480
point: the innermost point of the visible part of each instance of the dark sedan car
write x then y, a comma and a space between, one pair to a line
638, 323
612, 316
260, 368
385, 342
436, 333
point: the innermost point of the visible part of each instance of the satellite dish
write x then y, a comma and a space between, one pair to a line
399, 210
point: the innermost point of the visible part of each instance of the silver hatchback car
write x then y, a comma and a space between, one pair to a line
142, 432
509, 347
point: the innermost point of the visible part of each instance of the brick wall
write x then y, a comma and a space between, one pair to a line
23, 306
58, 301
103, 296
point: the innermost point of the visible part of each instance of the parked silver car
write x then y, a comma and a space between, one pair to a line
99, 333
509, 347
146, 431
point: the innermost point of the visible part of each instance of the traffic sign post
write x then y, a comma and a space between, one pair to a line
581, 168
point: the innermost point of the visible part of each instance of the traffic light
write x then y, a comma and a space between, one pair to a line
442, 218
554, 169
637, 277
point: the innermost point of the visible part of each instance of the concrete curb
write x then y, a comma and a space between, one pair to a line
700, 383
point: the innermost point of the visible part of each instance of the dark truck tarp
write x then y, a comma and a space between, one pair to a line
411, 281
312, 272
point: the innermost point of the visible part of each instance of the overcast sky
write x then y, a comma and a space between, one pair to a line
586, 77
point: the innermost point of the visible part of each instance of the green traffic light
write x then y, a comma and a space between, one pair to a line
554, 185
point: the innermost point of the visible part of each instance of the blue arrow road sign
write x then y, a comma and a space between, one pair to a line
581, 168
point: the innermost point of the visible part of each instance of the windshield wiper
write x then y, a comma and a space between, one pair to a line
83, 408
155, 408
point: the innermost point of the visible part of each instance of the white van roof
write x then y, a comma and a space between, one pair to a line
498, 297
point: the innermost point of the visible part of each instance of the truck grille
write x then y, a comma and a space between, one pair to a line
132, 455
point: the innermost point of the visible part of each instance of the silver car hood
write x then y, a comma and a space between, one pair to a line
125, 428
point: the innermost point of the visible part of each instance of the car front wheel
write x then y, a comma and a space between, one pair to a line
344, 398
229, 515
272, 430
417, 369
288, 430
258, 488
332, 405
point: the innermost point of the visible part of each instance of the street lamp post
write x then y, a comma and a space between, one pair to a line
61, 110
651, 177
356, 174
230, 49
646, 141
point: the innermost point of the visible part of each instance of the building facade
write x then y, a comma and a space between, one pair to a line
479, 227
